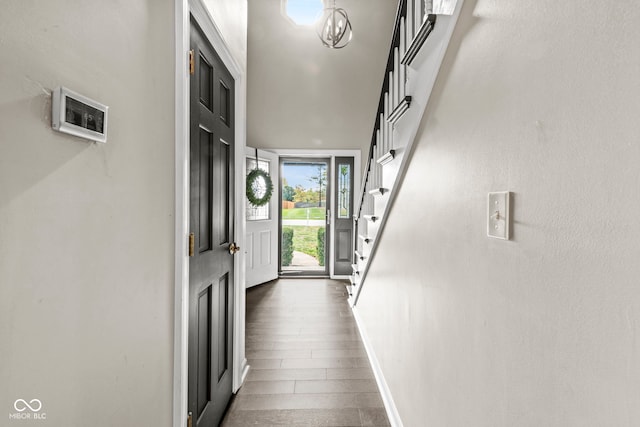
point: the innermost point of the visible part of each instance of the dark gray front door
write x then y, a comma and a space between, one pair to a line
211, 222
343, 224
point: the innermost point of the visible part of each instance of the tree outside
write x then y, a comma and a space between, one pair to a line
319, 181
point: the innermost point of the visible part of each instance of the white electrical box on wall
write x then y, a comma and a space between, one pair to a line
78, 115
498, 215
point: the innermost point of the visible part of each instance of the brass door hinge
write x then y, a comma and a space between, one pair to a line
190, 420
192, 62
192, 243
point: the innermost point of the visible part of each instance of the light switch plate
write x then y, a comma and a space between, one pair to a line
498, 215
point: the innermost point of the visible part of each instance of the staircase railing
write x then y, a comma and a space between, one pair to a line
413, 24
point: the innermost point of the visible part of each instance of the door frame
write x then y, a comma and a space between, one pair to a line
345, 222
183, 10
326, 272
328, 154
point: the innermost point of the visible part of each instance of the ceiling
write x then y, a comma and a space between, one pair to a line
302, 95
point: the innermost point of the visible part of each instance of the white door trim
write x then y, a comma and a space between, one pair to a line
183, 9
332, 154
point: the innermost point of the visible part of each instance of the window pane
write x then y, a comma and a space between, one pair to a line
344, 191
257, 213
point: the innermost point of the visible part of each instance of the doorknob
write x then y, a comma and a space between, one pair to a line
233, 248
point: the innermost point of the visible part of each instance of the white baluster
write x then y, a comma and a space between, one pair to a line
369, 181
396, 79
383, 141
379, 143
387, 133
374, 168
418, 15
403, 37
403, 68
391, 91
379, 182
378, 171
379, 168
410, 27
380, 151
428, 8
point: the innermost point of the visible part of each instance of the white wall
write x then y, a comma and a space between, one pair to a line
86, 230
302, 95
230, 16
539, 98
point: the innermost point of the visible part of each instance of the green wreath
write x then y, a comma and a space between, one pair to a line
259, 187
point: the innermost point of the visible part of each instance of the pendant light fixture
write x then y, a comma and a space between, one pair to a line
334, 28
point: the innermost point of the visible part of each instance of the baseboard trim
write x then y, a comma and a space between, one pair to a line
385, 393
245, 371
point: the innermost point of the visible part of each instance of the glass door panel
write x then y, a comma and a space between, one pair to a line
304, 211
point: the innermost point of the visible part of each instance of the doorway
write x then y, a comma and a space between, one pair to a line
305, 213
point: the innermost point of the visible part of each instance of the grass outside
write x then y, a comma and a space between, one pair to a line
305, 239
301, 213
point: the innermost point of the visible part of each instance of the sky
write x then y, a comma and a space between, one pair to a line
304, 12
298, 174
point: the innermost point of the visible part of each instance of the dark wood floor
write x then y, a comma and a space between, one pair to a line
308, 364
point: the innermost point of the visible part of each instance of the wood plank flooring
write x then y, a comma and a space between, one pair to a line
308, 364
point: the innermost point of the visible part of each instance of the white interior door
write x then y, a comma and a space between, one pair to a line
262, 224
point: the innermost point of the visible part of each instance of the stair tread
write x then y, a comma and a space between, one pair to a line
360, 255
365, 239
372, 218
378, 191
386, 157
399, 110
